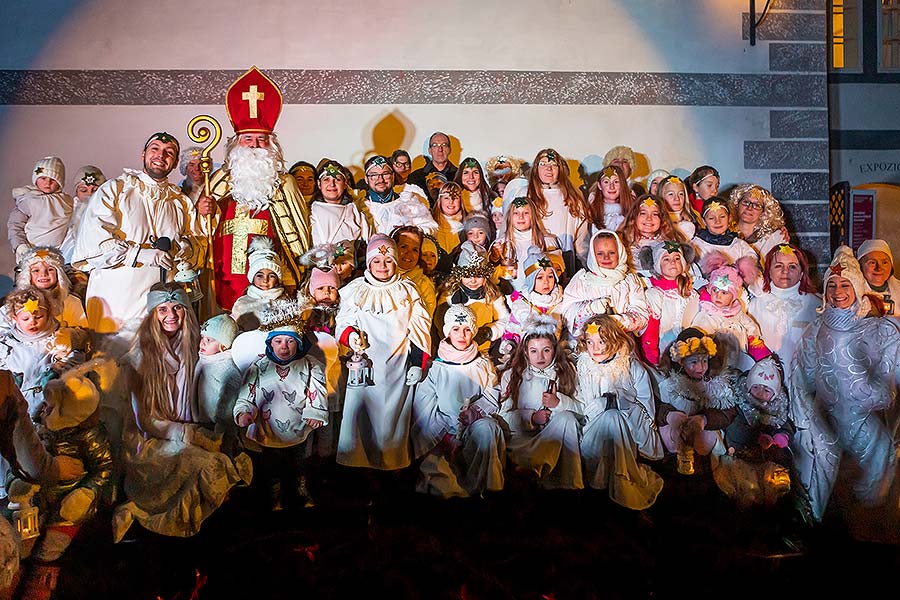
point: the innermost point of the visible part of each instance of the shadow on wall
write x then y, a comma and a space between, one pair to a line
392, 131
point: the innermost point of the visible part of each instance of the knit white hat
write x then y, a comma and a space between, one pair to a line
89, 175
221, 328
845, 265
459, 314
262, 255
765, 372
52, 167
874, 246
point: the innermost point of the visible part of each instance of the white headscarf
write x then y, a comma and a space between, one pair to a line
600, 275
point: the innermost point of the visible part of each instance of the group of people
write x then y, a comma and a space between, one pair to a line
168, 343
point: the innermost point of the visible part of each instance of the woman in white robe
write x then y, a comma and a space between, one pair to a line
175, 475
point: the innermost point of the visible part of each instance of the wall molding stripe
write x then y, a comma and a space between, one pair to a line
207, 87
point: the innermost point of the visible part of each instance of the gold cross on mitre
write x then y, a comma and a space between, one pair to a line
252, 96
241, 227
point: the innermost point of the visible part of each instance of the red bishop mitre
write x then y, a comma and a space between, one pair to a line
253, 103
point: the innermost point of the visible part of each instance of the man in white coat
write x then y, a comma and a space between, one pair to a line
122, 241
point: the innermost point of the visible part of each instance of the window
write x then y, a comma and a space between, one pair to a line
889, 35
844, 26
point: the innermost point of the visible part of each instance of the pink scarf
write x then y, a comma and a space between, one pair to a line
448, 353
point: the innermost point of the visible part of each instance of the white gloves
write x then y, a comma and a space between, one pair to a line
76, 504
155, 258
414, 375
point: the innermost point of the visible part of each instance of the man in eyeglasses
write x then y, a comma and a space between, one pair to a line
438, 155
390, 205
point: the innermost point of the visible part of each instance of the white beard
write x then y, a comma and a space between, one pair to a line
254, 176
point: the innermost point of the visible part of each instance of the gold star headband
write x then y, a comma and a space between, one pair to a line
592, 329
31, 306
786, 250
714, 205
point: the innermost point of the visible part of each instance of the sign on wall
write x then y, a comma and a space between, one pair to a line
862, 217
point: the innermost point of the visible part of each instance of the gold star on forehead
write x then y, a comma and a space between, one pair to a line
195, 153
714, 205
42, 254
608, 172
649, 203
837, 270
592, 329
39, 170
31, 305
383, 249
498, 201
785, 249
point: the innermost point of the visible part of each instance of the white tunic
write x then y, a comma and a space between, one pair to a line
124, 216
39, 219
333, 223
782, 315
733, 333
411, 201
738, 248
551, 452
376, 420
572, 232
626, 298
613, 436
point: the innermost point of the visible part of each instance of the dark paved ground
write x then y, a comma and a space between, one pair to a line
521, 543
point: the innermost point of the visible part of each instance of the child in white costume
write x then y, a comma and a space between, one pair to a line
671, 299
717, 236
37, 350
606, 286
382, 315
264, 270
523, 230
538, 402
614, 390
453, 424
42, 210
282, 400
44, 268
723, 315
217, 379
674, 193
87, 179
541, 295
